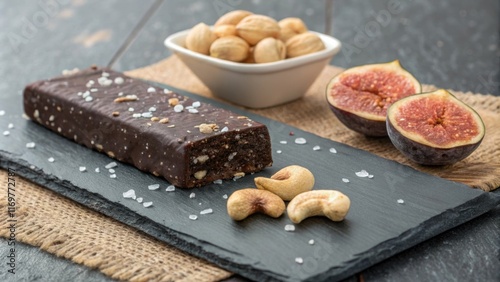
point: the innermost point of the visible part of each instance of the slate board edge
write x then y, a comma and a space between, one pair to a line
412, 237
473, 208
186, 243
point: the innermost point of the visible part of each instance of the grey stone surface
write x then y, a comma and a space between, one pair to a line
452, 44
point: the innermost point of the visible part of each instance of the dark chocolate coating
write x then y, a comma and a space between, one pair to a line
176, 150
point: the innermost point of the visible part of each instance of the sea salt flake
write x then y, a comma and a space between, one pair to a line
290, 227
316, 148
104, 81
300, 141
85, 94
401, 201
345, 180
224, 129
51, 160
154, 186
136, 115
89, 99
112, 176
7, 133
178, 108
147, 114
299, 260
139, 200
111, 165
279, 151
10, 126
170, 188
111, 170
311, 242
82, 169
192, 195
206, 211
166, 91
333, 150
218, 181
193, 217
151, 90
362, 173
370, 176
130, 109
147, 204
283, 142
105, 74
120, 94
93, 90
196, 104
97, 170
130, 194
193, 111
152, 109
224, 196
119, 80
2, 113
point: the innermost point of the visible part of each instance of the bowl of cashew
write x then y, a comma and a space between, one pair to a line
238, 79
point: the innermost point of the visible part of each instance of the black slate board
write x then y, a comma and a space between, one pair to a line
259, 248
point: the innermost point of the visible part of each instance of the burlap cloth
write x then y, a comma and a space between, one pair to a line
70, 230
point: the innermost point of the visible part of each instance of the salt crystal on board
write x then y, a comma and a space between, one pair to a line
154, 186
362, 173
206, 211
300, 141
130, 194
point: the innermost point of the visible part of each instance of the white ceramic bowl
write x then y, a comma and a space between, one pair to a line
255, 85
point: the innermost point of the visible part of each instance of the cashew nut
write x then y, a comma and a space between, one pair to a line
329, 203
245, 202
287, 182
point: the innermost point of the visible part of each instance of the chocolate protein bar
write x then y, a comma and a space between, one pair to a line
189, 143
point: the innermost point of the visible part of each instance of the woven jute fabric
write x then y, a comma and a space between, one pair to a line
312, 113
67, 229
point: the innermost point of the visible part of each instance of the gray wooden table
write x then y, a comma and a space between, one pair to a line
451, 44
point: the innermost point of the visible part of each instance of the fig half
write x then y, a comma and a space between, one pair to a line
360, 96
434, 128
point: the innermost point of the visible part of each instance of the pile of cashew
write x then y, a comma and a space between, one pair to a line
292, 183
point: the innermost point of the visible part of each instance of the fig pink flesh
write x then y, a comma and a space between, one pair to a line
375, 91
438, 121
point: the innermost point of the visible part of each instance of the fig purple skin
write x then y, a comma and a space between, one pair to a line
427, 155
372, 128
434, 128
